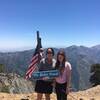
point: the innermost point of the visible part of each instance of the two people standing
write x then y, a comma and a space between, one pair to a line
62, 82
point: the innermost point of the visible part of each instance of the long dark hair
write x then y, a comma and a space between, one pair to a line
51, 50
61, 66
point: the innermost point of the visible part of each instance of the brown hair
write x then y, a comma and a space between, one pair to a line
62, 66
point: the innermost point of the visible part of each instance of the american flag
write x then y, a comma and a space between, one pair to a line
35, 59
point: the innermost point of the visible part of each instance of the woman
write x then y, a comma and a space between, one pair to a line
63, 80
44, 85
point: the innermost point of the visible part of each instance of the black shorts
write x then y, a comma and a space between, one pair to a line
43, 87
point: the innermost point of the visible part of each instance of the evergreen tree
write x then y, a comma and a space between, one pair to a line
2, 69
95, 76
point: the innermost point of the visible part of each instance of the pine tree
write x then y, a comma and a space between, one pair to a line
95, 76
2, 69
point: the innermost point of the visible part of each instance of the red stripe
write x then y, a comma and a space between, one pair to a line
35, 56
32, 65
30, 74
31, 71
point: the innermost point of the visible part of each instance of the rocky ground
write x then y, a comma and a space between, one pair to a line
89, 94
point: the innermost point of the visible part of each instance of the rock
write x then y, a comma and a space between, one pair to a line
13, 83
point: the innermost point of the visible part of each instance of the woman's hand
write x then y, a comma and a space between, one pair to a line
53, 84
67, 90
45, 78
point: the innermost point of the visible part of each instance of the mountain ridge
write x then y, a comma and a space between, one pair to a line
80, 57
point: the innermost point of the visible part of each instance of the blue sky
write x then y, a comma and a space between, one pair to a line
61, 23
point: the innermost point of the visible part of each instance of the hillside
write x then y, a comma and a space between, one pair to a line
90, 94
80, 57
14, 83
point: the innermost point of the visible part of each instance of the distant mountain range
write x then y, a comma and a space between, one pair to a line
80, 57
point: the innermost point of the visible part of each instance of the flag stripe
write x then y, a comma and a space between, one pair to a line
31, 71
32, 63
34, 57
32, 66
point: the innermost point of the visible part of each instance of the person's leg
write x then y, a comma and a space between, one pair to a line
63, 91
63, 96
47, 96
39, 96
58, 96
58, 92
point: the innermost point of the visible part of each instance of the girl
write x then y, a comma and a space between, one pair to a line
44, 85
63, 80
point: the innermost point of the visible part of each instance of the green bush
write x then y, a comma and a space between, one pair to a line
95, 76
1, 68
5, 89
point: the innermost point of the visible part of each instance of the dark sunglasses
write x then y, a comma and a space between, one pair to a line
41, 50
49, 52
61, 54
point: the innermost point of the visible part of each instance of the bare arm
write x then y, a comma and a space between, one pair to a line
69, 71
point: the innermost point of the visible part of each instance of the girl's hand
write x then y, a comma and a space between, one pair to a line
53, 84
45, 78
67, 90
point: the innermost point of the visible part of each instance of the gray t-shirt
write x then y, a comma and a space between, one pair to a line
45, 66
